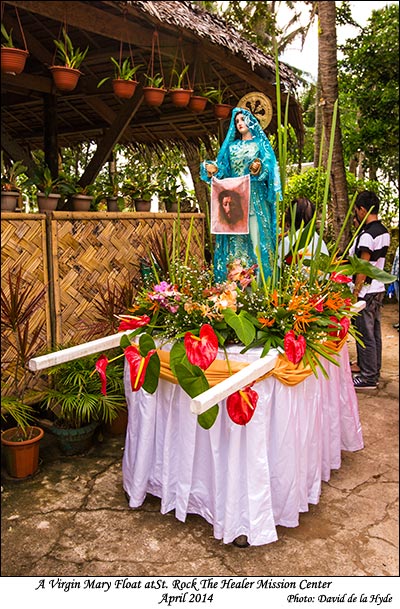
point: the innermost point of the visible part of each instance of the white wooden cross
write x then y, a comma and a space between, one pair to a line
200, 403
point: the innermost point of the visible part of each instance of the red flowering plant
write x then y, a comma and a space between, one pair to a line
303, 309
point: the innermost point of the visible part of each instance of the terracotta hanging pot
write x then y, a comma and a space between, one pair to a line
47, 202
154, 96
197, 103
222, 110
13, 60
181, 97
65, 78
124, 88
22, 456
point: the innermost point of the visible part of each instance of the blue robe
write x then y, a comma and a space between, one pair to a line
233, 160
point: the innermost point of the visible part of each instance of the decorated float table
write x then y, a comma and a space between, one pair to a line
244, 480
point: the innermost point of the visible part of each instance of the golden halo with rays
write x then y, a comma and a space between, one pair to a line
258, 104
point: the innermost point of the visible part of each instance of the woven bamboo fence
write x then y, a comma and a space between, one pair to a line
90, 264
23, 246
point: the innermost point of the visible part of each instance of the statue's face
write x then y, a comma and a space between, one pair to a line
240, 124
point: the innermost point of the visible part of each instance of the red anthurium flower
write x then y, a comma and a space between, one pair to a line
241, 405
294, 347
137, 365
338, 278
318, 303
201, 350
340, 328
101, 366
131, 322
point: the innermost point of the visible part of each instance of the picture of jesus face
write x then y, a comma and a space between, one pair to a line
231, 210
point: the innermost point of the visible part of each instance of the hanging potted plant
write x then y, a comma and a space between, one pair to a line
154, 92
198, 102
216, 96
19, 304
66, 76
123, 83
10, 184
12, 59
180, 96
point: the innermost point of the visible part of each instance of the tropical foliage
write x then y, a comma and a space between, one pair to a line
123, 70
69, 56
303, 310
371, 112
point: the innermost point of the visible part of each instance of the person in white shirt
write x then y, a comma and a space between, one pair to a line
371, 244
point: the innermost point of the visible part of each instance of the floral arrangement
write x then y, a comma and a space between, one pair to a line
302, 311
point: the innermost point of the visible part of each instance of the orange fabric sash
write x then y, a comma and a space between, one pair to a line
284, 371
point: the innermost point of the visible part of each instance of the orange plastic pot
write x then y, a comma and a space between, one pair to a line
13, 60
124, 89
222, 110
154, 96
181, 97
65, 78
197, 103
22, 457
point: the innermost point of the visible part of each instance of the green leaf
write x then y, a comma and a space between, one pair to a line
207, 419
152, 374
146, 344
178, 356
124, 342
364, 267
245, 330
193, 381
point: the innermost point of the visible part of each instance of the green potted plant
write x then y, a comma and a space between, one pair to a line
12, 59
112, 192
20, 340
180, 95
76, 401
66, 75
217, 96
141, 191
198, 101
124, 84
49, 188
11, 179
82, 196
154, 91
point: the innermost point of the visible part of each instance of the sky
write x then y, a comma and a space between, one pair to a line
307, 59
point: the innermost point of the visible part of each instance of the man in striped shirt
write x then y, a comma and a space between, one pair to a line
371, 244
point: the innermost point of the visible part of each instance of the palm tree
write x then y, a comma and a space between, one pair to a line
328, 72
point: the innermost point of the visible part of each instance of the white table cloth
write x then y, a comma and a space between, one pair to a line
244, 480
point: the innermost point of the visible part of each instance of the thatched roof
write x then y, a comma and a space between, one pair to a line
209, 26
215, 51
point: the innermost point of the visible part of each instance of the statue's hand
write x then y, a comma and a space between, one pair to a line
211, 169
255, 167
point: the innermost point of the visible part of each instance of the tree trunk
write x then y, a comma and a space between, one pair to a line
327, 59
318, 122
